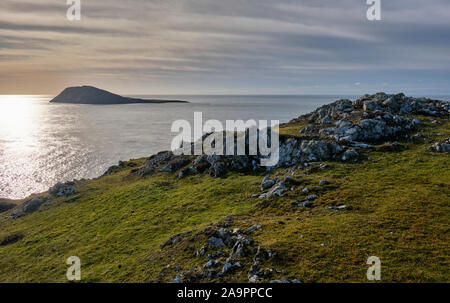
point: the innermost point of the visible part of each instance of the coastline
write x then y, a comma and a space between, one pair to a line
320, 203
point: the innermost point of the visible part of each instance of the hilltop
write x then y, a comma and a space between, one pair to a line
93, 95
355, 179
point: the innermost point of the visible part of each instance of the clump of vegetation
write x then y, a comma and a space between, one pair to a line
13, 238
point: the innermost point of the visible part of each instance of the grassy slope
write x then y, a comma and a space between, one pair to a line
400, 213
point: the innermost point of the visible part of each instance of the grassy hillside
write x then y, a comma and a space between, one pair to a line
397, 208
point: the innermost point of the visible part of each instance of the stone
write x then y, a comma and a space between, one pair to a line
201, 252
212, 264
312, 197
350, 155
341, 207
32, 205
155, 161
323, 182
441, 147
277, 190
267, 183
303, 203
216, 242
217, 169
254, 228
254, 279
280, 281
175, 165
223, 233
60, 189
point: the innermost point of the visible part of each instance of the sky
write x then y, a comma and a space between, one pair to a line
226, 47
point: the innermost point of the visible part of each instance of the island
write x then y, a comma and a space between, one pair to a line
93, 95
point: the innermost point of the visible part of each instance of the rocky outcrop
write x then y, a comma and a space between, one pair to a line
336, 131
227, 252
371, 118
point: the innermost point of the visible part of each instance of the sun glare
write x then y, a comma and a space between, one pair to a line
17, 115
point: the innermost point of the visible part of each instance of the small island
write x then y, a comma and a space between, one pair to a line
93, 95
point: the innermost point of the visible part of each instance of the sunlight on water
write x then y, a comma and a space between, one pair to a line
17, 118
18, 143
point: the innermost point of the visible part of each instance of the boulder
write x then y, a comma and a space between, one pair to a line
63, 189
350, 155
216, 242
267, 183
440, 147
32, 205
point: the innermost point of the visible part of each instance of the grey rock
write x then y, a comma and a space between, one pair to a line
216, 242
155, 161
312, 197
277, 190
267, 183
63, 189
280, 281
32, 205
175, 165
350, 155
441, 147
212, 264
323, 182
254, 228
223, 233
254, 279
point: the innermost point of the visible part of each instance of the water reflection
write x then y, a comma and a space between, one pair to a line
19, 126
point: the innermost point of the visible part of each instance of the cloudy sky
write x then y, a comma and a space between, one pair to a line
226, 47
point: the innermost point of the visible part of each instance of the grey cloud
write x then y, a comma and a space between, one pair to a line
226, 44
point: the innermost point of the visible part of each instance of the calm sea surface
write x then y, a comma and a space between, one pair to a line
42, 143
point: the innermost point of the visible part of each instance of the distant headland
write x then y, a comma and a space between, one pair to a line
93, 95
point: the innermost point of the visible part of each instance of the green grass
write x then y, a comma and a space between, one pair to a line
399, 212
